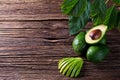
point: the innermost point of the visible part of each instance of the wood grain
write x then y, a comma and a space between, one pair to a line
34, 36
30, 10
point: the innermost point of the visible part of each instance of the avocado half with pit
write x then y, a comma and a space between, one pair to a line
95, 34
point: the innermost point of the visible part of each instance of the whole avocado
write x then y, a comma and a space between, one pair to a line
97, 53
79, 45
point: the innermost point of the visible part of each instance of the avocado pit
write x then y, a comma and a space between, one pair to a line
95, 34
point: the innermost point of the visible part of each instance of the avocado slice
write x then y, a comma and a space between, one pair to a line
70, 66
95, 34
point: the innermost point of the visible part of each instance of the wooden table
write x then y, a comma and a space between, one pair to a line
34, 36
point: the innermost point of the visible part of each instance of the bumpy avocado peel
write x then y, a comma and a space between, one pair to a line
94, 52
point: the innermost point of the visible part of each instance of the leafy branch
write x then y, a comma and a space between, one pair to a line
81, 11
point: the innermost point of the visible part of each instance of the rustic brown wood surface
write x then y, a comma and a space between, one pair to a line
34, 36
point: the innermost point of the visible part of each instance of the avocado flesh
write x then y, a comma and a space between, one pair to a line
103, 30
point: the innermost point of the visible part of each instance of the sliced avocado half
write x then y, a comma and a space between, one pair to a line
95, 34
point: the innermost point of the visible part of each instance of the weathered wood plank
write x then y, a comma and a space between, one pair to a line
40, 17
35, 29
31, 7
30, 10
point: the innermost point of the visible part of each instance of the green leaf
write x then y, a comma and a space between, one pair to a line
116, 1
68, 5
110, 18
77, 23
118, 20
98, 11
73, 7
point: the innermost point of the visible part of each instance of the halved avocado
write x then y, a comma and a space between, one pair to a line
95, 34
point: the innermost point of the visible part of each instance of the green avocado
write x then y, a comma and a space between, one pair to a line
97, 53
95, 34
103, 41
79, 45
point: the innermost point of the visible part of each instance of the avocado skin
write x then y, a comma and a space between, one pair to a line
103, 41
79, 45
97, 53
